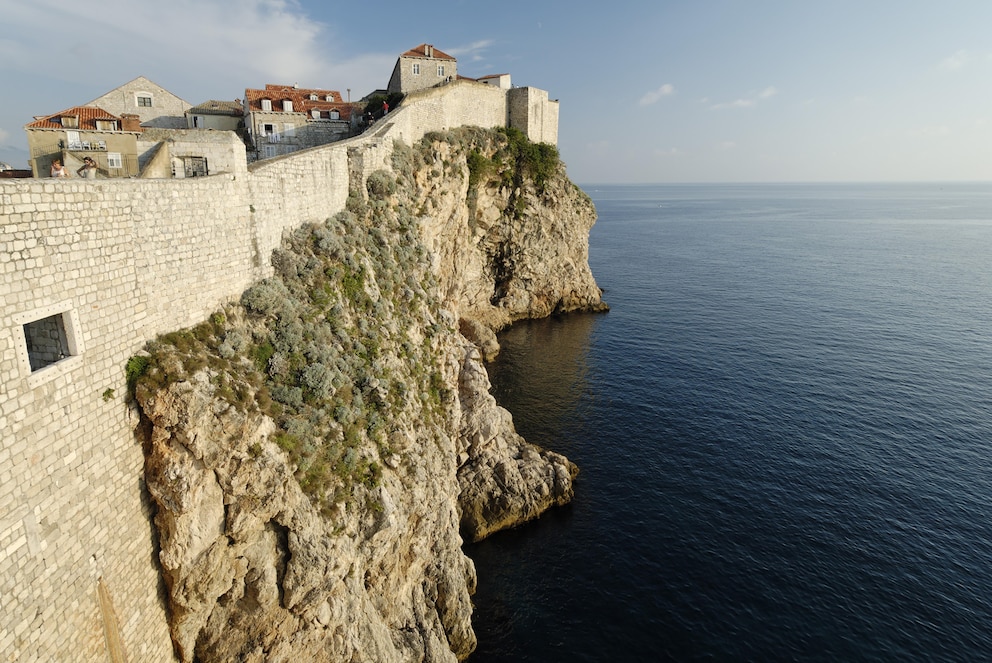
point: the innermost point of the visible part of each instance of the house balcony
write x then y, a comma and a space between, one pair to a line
84, 146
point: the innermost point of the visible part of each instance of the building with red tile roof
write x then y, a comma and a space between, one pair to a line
84, 131
420, 68
285, 118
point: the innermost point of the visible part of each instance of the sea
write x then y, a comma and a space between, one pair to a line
783, 427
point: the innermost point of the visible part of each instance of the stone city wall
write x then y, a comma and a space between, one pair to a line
114, 263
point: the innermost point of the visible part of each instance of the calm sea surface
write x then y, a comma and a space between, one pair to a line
784, 428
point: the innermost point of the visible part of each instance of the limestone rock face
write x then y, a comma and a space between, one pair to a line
504, 249
504, 479
258, 566
255, 573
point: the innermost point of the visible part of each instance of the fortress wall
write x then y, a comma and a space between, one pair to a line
461, 103
532, 112
70, 467
310, 185
108, 265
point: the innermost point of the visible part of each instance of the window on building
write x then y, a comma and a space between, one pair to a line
47, 342
70, 121
269, 151
268, 129
114, 160
144, 100
289, 129
106, 125
266, 104
440, 70
50, 336
335, 115
416, 68
314, 97
287, 105
329, 97
73, 140
195, 166
315, 113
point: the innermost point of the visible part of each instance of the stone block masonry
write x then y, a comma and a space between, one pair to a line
97, 268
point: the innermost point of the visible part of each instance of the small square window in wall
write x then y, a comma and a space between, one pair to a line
144, 101
114, 160
46, 341
416, 68
50, 342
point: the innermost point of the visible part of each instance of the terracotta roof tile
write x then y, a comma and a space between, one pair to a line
302, 103
421, 52
88, 115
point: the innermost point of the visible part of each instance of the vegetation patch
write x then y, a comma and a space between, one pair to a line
341, 345
331, 347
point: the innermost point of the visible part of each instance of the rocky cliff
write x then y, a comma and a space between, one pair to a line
317, 452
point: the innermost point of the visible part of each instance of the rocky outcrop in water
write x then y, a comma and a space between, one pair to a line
316, 454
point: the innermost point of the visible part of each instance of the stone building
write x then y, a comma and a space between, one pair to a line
420, 68
154, 105
281, 119
81, 131
180, 153
222, 115
501, 81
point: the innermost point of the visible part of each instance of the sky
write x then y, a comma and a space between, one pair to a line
651, 91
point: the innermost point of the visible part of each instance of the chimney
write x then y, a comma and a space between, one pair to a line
429, 51
130, 122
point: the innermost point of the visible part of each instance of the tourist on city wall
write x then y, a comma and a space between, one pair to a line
88, 169
58, 170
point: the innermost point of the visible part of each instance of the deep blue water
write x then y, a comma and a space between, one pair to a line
784, 430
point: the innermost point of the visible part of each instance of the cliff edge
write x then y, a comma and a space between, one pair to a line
317, 452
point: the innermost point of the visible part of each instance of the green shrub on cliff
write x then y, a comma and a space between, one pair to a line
331, 346
504, 156
539, 161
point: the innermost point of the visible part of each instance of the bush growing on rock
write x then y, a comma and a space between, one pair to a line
307, 346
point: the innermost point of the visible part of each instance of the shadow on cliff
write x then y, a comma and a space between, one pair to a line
143, 436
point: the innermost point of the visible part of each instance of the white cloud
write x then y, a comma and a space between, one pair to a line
474, 51
4, 135
932, 131
205, 43
653, 96
599, 146
955, 62
746, 102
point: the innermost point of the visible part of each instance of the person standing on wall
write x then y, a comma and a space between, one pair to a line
385, 108
88, 169
58, 170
